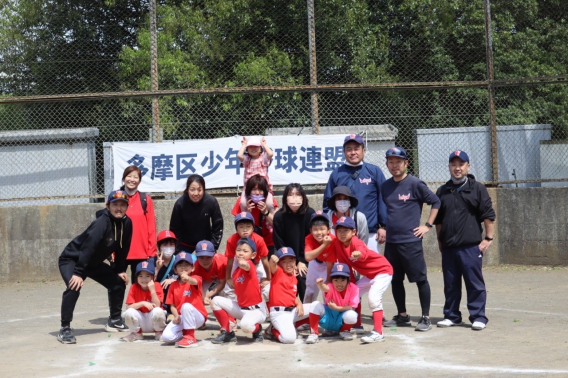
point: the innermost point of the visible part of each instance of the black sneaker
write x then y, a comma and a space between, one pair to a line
424, 324
399, 321
66, 336
224, 337
115, 325
257, 336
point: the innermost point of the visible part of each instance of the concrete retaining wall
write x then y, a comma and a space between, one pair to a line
532, 228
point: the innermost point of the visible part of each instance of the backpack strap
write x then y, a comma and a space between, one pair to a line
144, 202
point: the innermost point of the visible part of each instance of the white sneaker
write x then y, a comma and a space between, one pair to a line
373, 337
346, 335
303, 327
358, 330
478, 326
312, 339
447, 323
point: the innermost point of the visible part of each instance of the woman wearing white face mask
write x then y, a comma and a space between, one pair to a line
342, 203
291, 226
141, 212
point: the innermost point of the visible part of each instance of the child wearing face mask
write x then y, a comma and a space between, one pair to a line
256, 157
165, 273
341, 204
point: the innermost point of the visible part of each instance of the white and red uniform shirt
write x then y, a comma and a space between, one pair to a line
247, 287
327, 255
348, 297
217, 271
180, 293
369, 264
283, 289
261, 249
137, 294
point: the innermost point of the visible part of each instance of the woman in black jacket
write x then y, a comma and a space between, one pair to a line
291, 226
196, 216
84, 257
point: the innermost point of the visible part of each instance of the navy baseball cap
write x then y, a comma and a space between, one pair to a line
319, 215
248, 241
285, 251
341, 270
347, 222
183, 256
204, 248
145, 266
396, 152
244, 216
117, 195
460, 155
354, 138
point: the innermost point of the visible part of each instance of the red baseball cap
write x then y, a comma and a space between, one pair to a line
166, 234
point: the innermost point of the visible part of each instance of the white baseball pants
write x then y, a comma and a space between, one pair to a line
376, 288
284, 321
249, 318
190, 319
152, 321
315, 270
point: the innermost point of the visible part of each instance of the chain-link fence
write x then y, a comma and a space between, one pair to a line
488, 78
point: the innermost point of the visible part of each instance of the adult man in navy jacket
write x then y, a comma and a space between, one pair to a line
364, 179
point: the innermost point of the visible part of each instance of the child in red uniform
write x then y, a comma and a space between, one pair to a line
186, 303
374, 268
285, 307
212, 268
244, 224
318, 253
249, 307
341, 299
145, 312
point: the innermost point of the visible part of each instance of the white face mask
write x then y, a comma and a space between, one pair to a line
342, 205
294, 203
168, 252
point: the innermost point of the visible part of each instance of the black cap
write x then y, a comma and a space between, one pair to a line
341, 190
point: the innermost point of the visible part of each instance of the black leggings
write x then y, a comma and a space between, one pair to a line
399, 295
102, 274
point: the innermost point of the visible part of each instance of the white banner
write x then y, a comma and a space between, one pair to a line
306, 159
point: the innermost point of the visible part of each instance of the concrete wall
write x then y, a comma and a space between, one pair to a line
532, 228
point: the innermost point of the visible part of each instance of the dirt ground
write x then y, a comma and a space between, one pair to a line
527, 335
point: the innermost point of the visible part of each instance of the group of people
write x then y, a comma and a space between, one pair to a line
279, 259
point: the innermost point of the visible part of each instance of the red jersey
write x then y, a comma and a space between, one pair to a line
261, 249
247, 287
180, 293
137, 294
266, 232
283, 289
369, 264
327, 255
143, 243
218, 270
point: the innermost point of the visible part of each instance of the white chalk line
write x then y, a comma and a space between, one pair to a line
413, 363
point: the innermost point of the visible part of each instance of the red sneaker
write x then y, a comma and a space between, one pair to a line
187, 342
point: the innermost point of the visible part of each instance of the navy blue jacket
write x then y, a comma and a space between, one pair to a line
364, 181
462, 213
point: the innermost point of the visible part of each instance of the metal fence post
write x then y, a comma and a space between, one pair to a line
491, 91
154, 72
313, 66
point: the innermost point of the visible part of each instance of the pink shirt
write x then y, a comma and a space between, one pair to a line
258, 166
351, 297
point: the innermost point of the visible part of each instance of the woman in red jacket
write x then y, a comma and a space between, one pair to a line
141, 212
